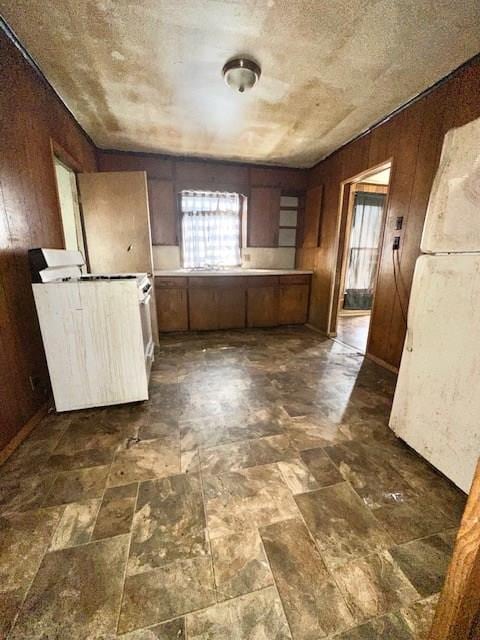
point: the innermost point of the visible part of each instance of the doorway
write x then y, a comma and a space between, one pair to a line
365, 214
73, 234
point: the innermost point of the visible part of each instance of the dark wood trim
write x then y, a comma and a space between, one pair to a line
57, 151
63, 155
382, 363
20, 436
458, 612
349, 188
203, 160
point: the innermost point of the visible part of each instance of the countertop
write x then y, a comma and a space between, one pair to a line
187, 273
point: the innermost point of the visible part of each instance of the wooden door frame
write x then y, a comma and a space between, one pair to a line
457, 616
344, 215
57, 152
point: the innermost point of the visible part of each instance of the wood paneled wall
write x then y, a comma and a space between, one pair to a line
167, 176
413, 140
30, 114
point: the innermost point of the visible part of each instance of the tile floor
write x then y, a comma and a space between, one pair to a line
259, 495
353, 330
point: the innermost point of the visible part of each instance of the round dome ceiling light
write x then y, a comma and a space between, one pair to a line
241, 74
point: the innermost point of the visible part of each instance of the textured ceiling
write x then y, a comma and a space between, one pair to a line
145, 75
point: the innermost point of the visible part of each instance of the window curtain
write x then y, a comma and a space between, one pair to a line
210, 229
363, 250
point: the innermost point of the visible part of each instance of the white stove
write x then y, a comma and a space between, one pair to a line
96, 330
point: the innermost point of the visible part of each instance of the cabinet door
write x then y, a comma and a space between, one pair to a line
231, 307
311, 223
293, 304
172, 309
117, 222
262, 306
203, 308
263, 216
163, 211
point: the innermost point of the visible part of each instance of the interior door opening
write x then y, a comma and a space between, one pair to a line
362, 242
73, 233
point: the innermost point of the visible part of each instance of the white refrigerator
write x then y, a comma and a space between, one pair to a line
436, 407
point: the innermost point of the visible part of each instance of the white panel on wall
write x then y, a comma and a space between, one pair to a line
288, 218
287, 237
166, 257
288, 201
269, 258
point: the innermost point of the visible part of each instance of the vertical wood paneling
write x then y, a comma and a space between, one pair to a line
311, 223
413, 140
30, 114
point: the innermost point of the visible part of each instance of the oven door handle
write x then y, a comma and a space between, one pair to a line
146, 299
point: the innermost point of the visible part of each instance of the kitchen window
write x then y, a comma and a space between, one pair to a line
211, 224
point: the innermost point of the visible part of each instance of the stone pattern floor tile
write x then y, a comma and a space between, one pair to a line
374, 585
24, 493
419, 616
144, 460
149, 514
167, 592
321, 467
424, 562
76, 525
255, 616
372, 476
24, 539
73, 486
76, 592
247, 498
297, 476
342, 526
389, 627
171, 630
313, 604
169, 523
412, 519
240, 564
116, 511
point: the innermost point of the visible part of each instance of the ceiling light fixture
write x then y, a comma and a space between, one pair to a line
241, 74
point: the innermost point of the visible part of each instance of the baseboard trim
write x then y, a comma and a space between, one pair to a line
382, 363
316, 329
27, 428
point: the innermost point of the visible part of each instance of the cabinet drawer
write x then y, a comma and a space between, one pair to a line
262, 281
170, 283
216, 281
303, 278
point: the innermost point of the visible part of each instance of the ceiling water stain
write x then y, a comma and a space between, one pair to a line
147, 75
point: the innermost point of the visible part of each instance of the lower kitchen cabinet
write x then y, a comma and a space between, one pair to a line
203, 309
203, 303
172, 304
216, 303
262, 306
293, 304
231, 303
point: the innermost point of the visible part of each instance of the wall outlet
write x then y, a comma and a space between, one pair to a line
246, 257
396, 243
